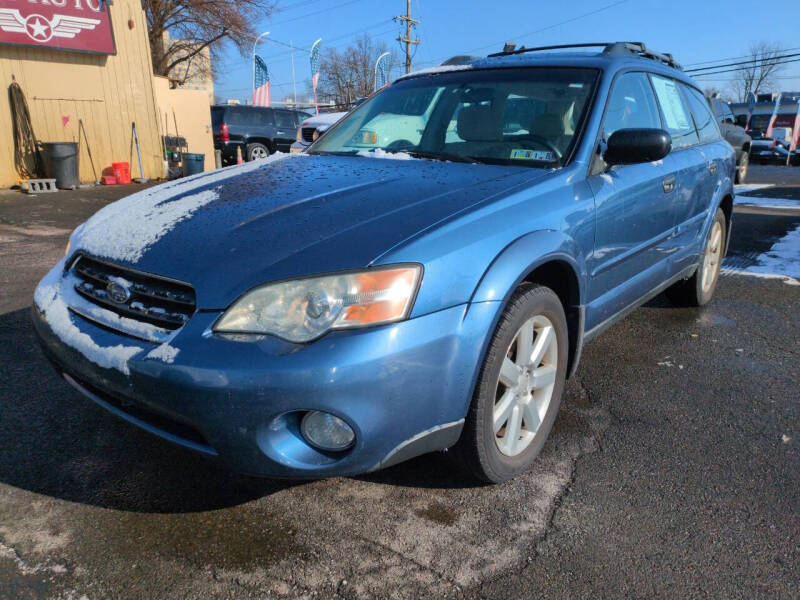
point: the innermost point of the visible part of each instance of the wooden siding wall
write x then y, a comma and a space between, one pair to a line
107, 92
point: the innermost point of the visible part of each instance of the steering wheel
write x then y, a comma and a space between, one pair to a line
400, 145
544, 142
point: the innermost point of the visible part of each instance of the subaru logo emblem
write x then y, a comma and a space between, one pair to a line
118, 292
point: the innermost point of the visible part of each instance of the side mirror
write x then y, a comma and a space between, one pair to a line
630, 146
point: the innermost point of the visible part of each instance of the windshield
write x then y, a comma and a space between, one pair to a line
528, 116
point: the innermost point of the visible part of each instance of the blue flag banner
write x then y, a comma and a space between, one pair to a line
314, 57
382, 70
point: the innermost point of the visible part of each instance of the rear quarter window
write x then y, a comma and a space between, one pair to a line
704, 121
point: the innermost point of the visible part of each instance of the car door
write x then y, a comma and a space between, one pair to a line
633, 207
692, 188
711, 153
285, 129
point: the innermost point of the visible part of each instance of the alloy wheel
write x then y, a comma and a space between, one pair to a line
712, 256
525, 385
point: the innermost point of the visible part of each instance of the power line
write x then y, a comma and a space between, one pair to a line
708, 62
311, 14
744, 68
766, 61
553, 26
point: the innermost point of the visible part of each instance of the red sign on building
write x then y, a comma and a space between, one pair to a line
77, 25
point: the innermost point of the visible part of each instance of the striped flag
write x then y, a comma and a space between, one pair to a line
315, 65
774, 116
382, 71
261, 95
795, 133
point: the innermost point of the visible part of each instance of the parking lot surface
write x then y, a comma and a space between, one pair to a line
673, 470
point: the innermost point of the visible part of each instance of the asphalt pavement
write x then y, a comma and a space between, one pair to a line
673, 470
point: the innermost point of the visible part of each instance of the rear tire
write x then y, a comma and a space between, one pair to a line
699, 288
741, 168
256, 152
519, 387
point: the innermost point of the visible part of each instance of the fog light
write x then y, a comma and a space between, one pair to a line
326, 431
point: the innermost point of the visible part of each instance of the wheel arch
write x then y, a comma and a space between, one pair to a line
557, 263
726, 204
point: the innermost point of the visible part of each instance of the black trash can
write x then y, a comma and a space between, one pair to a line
193, 163
61, 163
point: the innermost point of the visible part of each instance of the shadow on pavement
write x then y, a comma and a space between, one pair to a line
55, 442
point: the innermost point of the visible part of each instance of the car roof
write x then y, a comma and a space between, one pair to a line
606, 61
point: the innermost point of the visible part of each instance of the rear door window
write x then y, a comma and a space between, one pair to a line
284, 119
704, 121
675, 110
631, 105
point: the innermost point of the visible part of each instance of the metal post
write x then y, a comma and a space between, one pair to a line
294, 85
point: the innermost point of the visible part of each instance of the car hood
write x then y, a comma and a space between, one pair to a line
227, 231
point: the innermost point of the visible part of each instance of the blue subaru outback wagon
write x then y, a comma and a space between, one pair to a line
422, 278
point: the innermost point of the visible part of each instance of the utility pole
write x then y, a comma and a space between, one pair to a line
407, 40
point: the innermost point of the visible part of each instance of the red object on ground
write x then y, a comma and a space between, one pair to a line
122, 172
239, 159
109, 180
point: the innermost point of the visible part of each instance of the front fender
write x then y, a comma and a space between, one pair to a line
523, 256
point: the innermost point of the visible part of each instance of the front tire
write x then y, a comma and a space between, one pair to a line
699, 288
519, 388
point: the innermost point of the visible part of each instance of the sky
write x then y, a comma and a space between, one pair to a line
694, 31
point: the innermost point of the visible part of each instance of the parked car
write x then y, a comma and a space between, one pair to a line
771, 150
313, 127
341, 310
310, 129
255, 130
734, 134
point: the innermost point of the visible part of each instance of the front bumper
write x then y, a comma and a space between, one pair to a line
404, 388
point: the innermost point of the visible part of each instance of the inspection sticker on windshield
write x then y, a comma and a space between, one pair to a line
522, 154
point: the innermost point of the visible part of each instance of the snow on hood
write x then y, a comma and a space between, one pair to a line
50, 301
125, 229
381, 153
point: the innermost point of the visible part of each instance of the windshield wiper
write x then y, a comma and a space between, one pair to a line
442, 156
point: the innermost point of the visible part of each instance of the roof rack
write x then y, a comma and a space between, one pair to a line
634, 48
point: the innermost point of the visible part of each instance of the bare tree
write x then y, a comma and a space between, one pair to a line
758, 73
350, 74
181, 31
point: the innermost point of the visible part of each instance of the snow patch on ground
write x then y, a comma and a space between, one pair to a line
49, 299
164, 352
125, 229
783, 258
766, 202
381, 153
747, 187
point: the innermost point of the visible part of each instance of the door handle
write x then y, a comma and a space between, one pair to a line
668, 184
712, 167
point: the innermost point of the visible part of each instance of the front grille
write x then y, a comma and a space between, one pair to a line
147, 298
308, 134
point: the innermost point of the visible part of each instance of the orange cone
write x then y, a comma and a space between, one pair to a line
239, 159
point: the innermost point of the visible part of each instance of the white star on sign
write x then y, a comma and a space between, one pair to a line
39, 28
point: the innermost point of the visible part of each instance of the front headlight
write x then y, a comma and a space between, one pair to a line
301, 310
